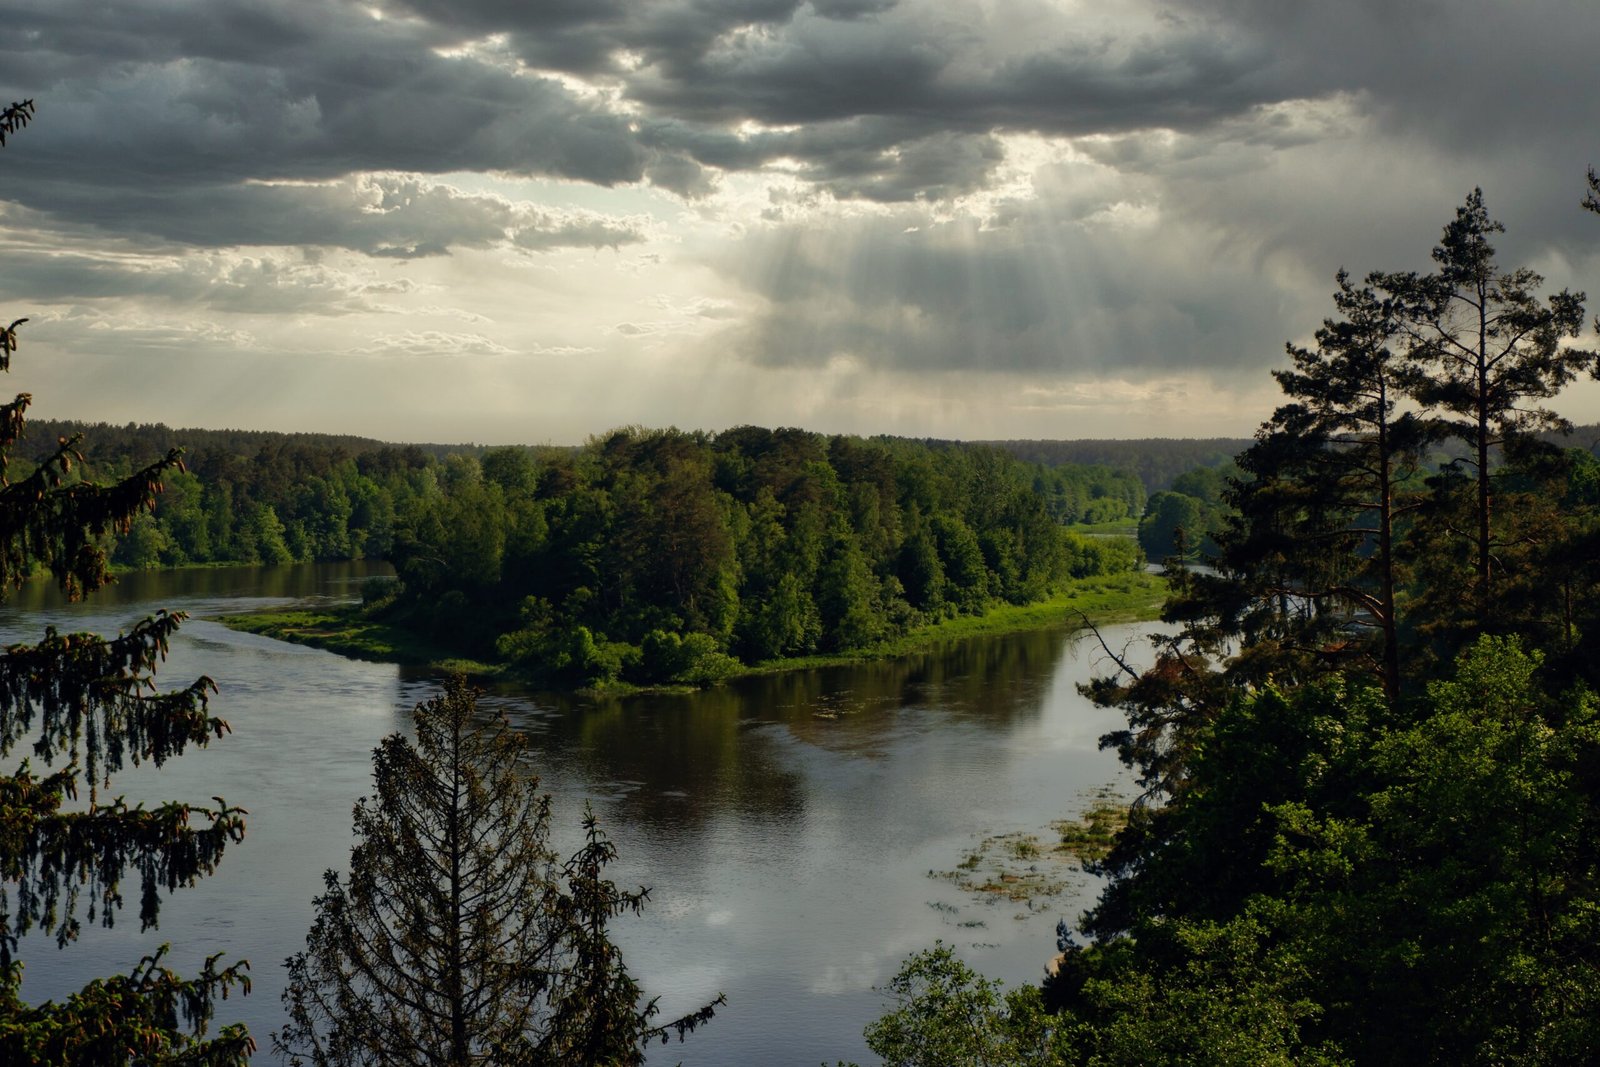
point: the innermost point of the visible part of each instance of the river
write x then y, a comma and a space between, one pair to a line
787, 825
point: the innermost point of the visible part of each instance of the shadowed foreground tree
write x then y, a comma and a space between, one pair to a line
90, 706
458, 938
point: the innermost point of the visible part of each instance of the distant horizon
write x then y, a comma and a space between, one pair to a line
926, 218
90, 423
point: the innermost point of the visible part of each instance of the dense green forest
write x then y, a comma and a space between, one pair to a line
1369, 743
668, 556
263, 497
644, 556
252, 496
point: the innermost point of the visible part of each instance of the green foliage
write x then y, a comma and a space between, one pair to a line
90, 705
1371, 807
764, 543
459, 937
1154, 461
1100, 555
1337, 882
947, 1015
1174, 524
141, 1018
771, 543
690, 659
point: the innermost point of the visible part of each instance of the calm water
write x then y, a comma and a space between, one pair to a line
786, 825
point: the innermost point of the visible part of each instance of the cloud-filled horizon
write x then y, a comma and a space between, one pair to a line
531, 222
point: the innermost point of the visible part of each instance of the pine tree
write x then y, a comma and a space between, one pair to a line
1487, 350
458, 938
1325, 486
90, 706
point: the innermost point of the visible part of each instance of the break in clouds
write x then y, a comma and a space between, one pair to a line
968, 205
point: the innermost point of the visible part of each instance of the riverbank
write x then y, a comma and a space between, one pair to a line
1133, 597
350, 633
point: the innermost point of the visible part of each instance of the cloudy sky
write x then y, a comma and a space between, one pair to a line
533, 220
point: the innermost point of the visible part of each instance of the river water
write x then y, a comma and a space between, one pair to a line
787, 826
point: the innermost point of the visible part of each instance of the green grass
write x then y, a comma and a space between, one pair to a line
1018, 866
1091, 837
1132, 597
348, 633
209, 565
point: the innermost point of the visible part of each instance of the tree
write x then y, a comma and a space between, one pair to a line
1468, 351
1325, 481
1487, 350
91, 702
1171, 518
1349, 882
945, 1014
458, 938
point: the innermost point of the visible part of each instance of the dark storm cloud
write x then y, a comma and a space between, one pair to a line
363, 104
145, 104
380, 215
871, 100
218, 90
248, 285
304, 123
197, 91
385, 216
1456, 66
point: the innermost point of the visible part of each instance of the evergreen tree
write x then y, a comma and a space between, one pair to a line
1324, 486
458, 938
90, 706
1486, 351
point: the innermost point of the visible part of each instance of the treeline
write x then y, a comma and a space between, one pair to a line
660, 555
251, 496
1155, 461
265, 497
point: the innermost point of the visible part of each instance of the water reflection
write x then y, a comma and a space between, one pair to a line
201, 588
786, 824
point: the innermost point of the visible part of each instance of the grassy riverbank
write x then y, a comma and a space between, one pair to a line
1118, 598
350, 633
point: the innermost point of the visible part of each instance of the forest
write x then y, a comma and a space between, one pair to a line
649, 556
